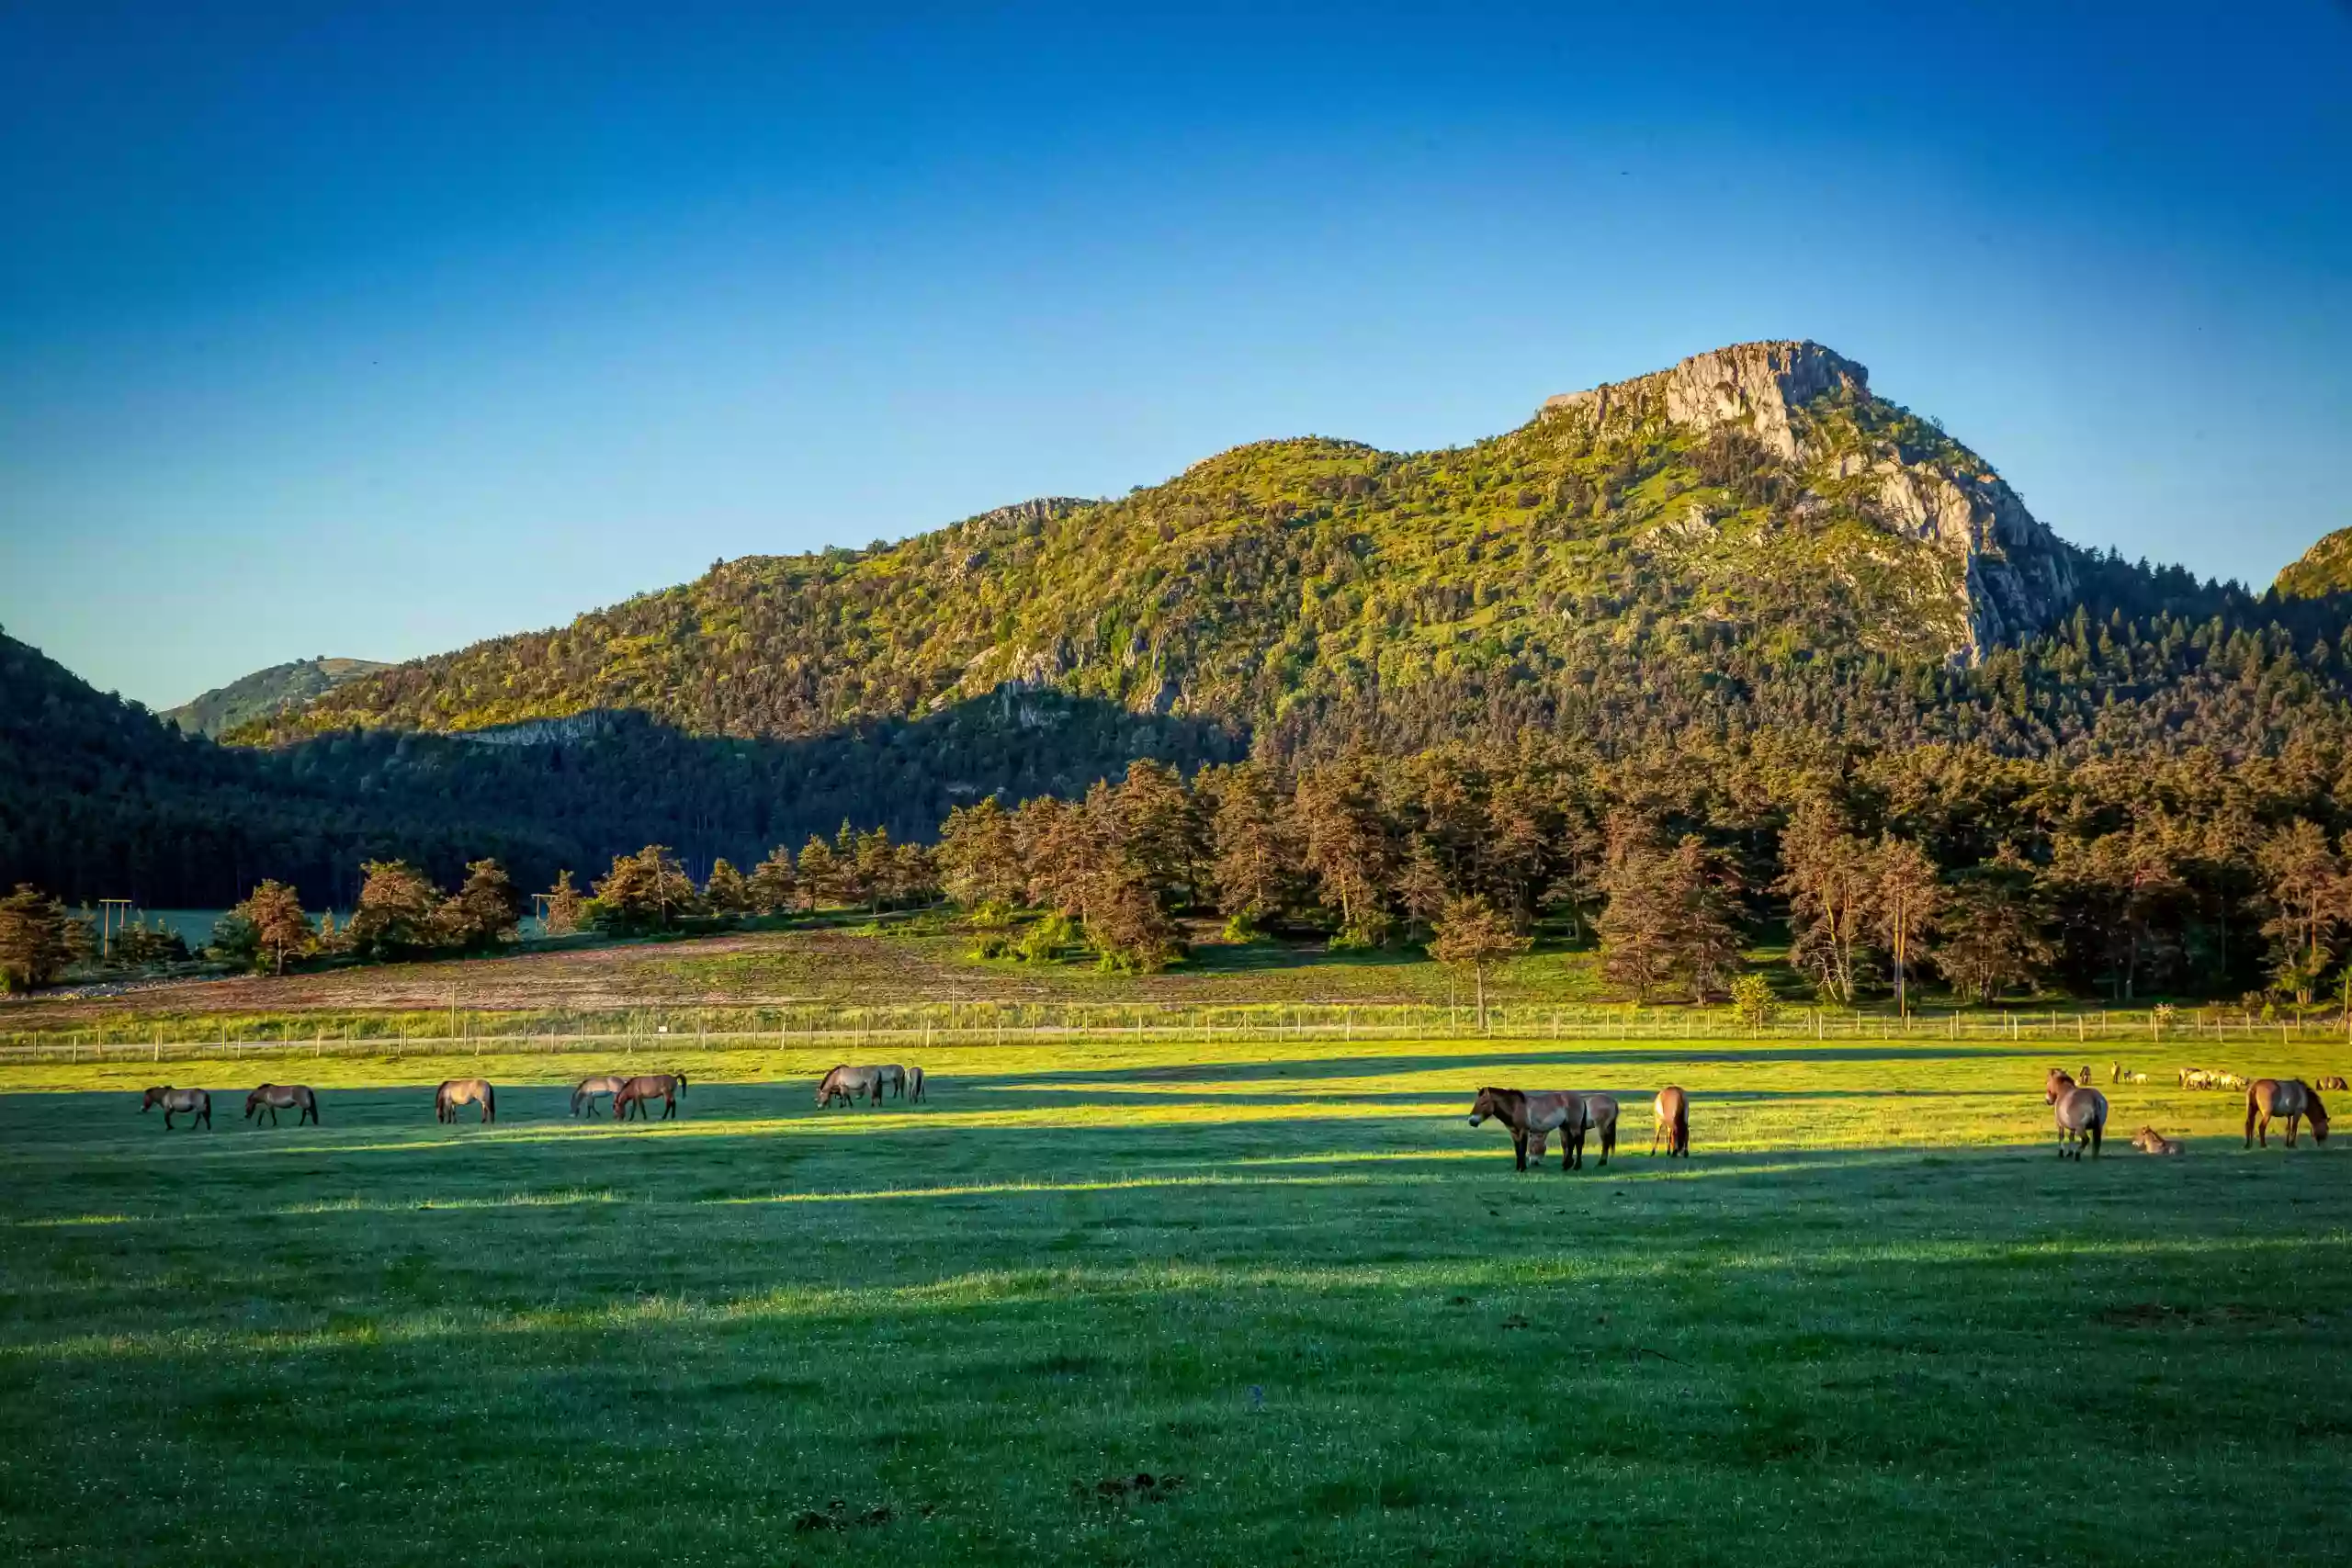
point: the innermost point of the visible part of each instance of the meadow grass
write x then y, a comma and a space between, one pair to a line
1874, 1319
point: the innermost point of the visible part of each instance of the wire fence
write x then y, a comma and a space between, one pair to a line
637, 1032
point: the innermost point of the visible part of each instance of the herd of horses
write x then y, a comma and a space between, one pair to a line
629, 1096
2081, 1114
1533, 1115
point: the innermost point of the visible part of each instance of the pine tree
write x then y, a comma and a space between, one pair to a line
566, 908
1826, 873
486, 910
398, 911
772, 888
1992, 929
724, 891
281, 929
35, 939
1905, 901
1472, 935
1256, 853
980, 856
819, 877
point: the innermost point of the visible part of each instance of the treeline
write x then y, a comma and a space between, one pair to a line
1885, 870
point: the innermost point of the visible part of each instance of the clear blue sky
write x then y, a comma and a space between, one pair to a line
377, 330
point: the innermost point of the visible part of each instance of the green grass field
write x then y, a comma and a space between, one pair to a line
1874, 1319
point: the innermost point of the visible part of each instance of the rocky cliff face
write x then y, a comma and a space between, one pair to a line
1812, 410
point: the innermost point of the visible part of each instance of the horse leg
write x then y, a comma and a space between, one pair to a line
1519, 1147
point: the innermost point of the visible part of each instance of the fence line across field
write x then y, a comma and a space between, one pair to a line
640, 1031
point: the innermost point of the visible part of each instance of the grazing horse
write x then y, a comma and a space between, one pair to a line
2081, 1115
1528, 1114
276, 1097
634, 1094
2331, 1082
585, 1093
1601, 1116
2148, 1141
914, 1083
465, 1091
891, 1077
192, 1103
848, 1083
1670, 1112
2266, 1097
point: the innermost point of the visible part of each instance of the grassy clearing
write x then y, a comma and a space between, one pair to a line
1286, 1273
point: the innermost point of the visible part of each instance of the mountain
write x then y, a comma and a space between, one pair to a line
1756, 505
266, 692
1742, 566
2324, 568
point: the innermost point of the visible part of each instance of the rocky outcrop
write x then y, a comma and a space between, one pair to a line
2013, 573
1753, 385
2324, 568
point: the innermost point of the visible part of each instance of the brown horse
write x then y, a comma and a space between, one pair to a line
584, 1092
465, 1091
634, 1094
2081, 1114
1670, 1114
1528, 1114
2266, 1097
2148, 1141
2331, 1081
192, 1103
276, 1097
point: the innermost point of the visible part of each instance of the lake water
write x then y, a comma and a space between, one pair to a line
194, 926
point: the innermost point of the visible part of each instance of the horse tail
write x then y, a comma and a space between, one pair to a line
2250, 1113
490, 1099
1683, 1126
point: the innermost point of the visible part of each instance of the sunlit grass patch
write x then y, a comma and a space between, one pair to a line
1285, 1271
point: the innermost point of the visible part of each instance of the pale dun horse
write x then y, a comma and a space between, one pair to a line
192, 1103
465, 1091
914, 1084
585, 1093
1670, 1121
846, 1083
276, 1097
1532, 1115
2266, 1097
2081, 1114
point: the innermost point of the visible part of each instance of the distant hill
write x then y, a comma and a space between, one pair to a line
266, 693
2324, 568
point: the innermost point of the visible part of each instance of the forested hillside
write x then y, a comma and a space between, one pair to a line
1750, 554
100, 799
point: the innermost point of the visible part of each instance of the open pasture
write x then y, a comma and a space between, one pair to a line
1873, 1319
